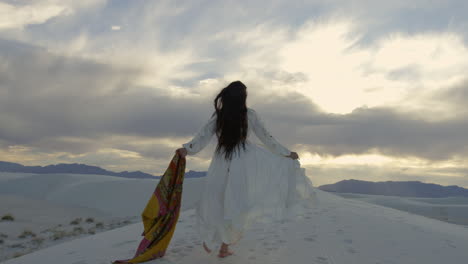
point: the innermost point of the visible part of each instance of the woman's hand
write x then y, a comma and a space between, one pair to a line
182, 152
293, 155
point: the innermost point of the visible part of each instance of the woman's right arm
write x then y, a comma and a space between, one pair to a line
264, 135
202, 138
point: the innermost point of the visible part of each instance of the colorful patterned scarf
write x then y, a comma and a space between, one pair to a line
160, 214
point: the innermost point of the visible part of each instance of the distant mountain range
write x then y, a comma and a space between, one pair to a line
396, 188
76, 168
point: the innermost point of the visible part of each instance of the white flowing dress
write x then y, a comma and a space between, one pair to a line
257, 184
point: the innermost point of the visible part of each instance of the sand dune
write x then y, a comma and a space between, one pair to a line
44, 205
449, 209
340, 230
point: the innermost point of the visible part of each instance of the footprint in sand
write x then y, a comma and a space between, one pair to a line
175, 250
339, 231
322, 260
417, 228
123, 243
310, 238
450, 243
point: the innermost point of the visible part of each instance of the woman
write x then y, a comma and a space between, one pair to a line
244, 181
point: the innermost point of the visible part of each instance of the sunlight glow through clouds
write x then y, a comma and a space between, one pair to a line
408, 165
343, 76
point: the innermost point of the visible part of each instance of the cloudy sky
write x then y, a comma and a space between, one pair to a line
372, 90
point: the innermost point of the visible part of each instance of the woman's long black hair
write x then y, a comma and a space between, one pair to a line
231, 118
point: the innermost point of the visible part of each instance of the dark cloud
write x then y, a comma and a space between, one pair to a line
388, 131
44, 95
455, 96
48, 99
295, 120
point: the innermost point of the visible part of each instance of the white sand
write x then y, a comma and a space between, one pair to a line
449, 209
340, 230
45, 204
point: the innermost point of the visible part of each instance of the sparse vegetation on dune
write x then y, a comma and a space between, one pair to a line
8, 217
18, 254
76, 221
78, 230
27, 233
17, 245
58, 234
38, 240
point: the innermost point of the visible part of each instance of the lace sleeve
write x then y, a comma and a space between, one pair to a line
202, 138
264, 135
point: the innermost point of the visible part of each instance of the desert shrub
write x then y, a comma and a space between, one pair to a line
37, 240
3, 235
46, 230
17, 245
27, 233
18, 254
89, 220
1, 241
76, 221
99, 225
8, 217
92, 231
58, 234
78, 230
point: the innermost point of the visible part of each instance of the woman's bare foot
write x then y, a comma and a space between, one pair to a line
206, 248
224, 251
223, 254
